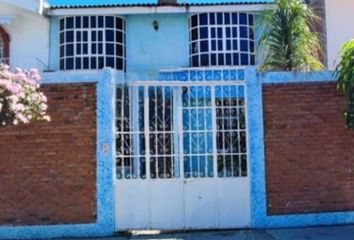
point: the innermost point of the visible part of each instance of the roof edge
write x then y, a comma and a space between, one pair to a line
162, 4
153, 9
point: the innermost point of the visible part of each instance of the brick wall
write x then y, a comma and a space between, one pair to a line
309, 153
48, 170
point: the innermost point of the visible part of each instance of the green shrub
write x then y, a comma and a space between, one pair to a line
345, 76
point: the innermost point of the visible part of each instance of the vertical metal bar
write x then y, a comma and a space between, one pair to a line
238, 131
123, 130
229, 100
135, 130
205, 133
197, 130
179, 113
163, 134
215, 150
156, 134
190, 134
117, 130
175, 127
146, 131
131, 128
222, 107
233, 140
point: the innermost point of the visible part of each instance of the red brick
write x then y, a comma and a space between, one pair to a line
48, 170
309, 153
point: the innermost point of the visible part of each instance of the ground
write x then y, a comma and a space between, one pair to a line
318, 233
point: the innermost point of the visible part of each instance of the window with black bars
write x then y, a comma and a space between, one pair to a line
222, 39
92, 42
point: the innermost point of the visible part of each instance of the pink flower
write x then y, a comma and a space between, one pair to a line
21, 90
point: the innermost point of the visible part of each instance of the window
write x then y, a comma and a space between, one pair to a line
221, 39
92, 42
1, 48
4, 45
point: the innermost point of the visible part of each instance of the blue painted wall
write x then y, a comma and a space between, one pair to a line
147, 50
54, 44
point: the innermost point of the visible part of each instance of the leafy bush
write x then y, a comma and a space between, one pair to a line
21, 100
288, 41
345, 76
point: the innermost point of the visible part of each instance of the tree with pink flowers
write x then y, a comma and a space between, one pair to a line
21, 100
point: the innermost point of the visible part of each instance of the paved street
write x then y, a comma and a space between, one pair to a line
319, 233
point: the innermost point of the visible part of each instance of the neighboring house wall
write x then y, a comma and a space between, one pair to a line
29, 37
320, 26
48, 170
30, 5
309, 152
340, 29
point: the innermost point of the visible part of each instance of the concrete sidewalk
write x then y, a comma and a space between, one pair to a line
318, 233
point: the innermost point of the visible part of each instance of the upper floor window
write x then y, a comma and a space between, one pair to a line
221, 39
92, 42
4, 45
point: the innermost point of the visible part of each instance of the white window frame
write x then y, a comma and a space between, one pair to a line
89, 43
223, 26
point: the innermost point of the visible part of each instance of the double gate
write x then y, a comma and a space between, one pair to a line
182, 155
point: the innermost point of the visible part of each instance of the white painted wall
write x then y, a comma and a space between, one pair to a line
30, 5
29, 37
340, 27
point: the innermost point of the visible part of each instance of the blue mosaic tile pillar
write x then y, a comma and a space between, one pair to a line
256, 145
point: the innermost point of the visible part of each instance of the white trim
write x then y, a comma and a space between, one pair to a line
202, 68
156, 9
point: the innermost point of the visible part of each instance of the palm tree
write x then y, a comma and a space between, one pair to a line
345, 76
288, 41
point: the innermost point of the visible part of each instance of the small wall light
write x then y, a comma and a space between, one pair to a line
155, 24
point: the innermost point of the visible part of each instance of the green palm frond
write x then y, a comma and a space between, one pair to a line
287, 41
345, 75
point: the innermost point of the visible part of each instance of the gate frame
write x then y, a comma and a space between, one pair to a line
179, 78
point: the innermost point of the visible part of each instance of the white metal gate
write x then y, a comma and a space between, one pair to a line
182, 156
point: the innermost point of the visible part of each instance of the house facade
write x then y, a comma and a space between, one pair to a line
22, 25
338, 29
160, 120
